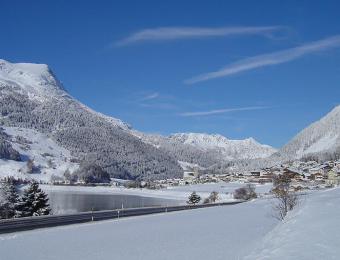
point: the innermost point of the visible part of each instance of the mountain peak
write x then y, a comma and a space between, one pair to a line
35, 80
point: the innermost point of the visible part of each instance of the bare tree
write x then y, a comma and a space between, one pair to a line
30, 166
287, 199
213, 197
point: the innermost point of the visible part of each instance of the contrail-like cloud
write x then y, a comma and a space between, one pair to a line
269, 59
173, 33
222, 111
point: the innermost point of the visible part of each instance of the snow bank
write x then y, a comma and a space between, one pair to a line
310, 232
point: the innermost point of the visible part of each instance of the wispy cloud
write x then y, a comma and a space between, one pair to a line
222, 111
269, 59
172, 33
150, 96
160, 105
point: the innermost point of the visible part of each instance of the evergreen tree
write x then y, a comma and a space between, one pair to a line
34, 202
194, 198
9, 200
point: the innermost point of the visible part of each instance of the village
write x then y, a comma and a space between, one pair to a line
303, 175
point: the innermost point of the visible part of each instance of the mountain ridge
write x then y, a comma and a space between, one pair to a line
321, 136
32, 97
247, 148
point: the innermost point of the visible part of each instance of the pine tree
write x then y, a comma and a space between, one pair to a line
34, 202
194, 198
10, 200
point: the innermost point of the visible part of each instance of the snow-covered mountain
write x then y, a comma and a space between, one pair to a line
321, 138
31, 97
33, 100
38, 83
228, 149
34, 80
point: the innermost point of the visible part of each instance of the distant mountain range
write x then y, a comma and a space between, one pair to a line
34, 103
228, 149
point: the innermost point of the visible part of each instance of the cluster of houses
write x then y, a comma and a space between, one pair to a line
301, 173
327, 173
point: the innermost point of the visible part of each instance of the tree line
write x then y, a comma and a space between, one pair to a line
33, 201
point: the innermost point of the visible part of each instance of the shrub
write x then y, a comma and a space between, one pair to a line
245, 193
213, 197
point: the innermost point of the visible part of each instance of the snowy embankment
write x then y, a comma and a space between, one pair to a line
311, 231
227, 232
182, 193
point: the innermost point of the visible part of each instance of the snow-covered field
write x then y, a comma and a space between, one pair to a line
221, 187
243, 231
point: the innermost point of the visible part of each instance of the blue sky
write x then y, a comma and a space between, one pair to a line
264, 69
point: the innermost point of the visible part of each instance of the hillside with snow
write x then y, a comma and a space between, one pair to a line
309, 232
31, 97
49, 159
318, 139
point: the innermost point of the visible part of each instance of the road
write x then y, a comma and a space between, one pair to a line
29, 223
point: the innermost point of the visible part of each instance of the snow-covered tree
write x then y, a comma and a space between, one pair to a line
9, 200
34, 202
194, 198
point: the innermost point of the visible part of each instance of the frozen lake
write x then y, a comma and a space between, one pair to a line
72, 199
63, 202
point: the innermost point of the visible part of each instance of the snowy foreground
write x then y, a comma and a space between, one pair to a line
310, 232
243, 231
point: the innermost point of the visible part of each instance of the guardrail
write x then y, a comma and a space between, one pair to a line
29, 223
